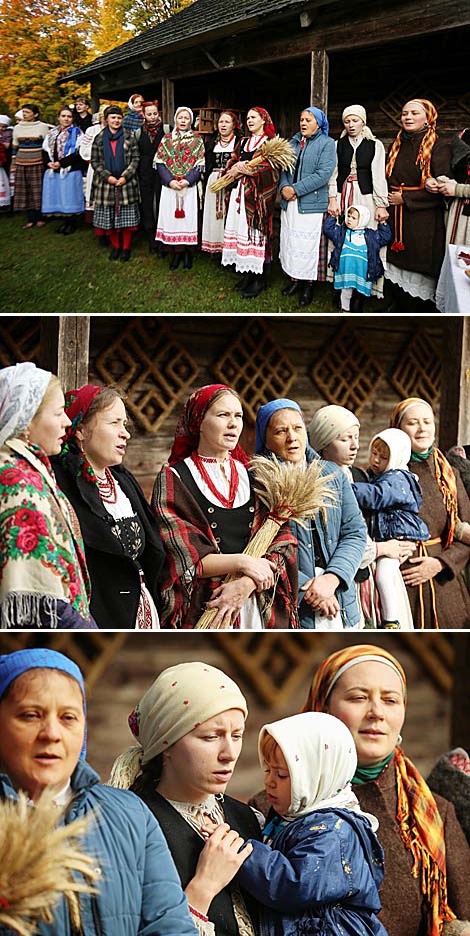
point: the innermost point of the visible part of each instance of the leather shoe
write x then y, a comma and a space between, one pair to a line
307, 295
188, 260
114, 255
177, 258
256, 287
291, 288
357, 302
125, 256
243, 282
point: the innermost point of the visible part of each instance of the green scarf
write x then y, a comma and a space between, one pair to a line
364, 774
422, 456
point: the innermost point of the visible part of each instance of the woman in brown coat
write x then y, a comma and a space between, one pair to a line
436, 589
115, 192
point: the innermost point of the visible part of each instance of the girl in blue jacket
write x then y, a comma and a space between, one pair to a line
391, 501
356, 255
320, 865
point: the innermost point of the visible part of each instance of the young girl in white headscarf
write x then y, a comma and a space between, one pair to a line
320, 865
391, 501
355, 258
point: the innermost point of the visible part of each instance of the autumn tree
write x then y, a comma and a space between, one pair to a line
120, 20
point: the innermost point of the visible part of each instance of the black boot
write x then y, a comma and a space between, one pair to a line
61, 228
256, 287
357, 302
336, 303
70, 227
188, 260
291, 288
177, 258
125, 255
114, 255
153, 246
243, 282
307, 294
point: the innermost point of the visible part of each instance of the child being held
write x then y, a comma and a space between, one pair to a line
356, 255
390, 502
320, 865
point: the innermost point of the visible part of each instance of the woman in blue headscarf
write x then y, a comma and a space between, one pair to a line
331, 546
304, 199
42, 746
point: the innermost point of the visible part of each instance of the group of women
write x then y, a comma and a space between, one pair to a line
165, 824
409, 188
81, 547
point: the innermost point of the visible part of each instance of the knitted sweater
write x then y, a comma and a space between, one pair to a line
27, 142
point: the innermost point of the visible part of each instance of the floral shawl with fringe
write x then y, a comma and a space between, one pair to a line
41, 553
260, 193
187, 538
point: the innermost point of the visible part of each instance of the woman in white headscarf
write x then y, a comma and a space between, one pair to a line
334, 433
359, 177
188, 729
43, 576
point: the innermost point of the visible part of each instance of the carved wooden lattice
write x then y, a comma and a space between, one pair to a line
411, 89
154, 369
19, 342
91, 650
418, 370
346, 373
256, 367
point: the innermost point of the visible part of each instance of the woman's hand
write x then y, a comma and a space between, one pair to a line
333, 209
175, 184
396, 549
320, 589
447, 188
395, 198
381, 214
218, 864
288, 193
53, 165
329, 607
238, 169
424, 569
184, 183
111, 180
228, 599
432, 185
260, 570
120, 182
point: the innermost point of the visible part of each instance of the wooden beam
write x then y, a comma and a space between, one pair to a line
454, 424
64, 345
319, 70
460, 731
168, 101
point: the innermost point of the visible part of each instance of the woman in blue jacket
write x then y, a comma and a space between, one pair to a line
42, 746
330, 548
304, 199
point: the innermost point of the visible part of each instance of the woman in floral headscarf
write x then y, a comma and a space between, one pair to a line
415, 160
43, 576
207, 513
122, 543
62, 187
436, 590
180, 162
249, 224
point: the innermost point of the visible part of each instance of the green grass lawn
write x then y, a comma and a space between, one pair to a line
44, 272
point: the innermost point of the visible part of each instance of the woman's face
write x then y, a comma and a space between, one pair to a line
254, 122
277, 783
104, 440
413, 117
286, 435
137, 103
43, 727
308, 124
81, 107
368, 698
183, 120
203, 761
151, 114
221, 427
29, 114
225, 125
47, 429
353, 125
114, 121
344, 448
65, 118
418, 423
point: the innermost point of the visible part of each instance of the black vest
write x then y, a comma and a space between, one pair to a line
365, 153
231, 526
186, 845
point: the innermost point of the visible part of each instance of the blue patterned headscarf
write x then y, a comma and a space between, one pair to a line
321, 119
262, 419
15, 664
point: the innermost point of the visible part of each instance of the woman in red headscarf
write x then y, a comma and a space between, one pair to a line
436, 590
427, 857
123, 549
249, 224
415, 160
207, 513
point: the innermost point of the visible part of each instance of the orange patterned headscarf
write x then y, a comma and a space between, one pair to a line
420, 824
423, 159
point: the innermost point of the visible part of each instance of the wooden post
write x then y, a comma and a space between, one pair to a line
95, 98
454, 423
460, 733
64, 346
319, 69
168, 100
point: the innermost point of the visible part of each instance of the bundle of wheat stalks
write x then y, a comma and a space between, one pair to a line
37, 858
290, 492
276, 151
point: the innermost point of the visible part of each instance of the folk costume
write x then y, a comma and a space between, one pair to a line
249, 223
197, 518
85, 144
359, 177
116, 210
355, 258
320, 865
6, 134
134, 119
27, 167
62, 189
182, 696
43, 575
122, 544
180, 155
458, 219
414, 257
302, 218
149, 137
333, 543
443, 601
426, 854
218, 153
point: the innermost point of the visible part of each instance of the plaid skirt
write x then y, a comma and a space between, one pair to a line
28, 187
106, 217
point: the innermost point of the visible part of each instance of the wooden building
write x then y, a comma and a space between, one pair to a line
283, 54
366, 363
